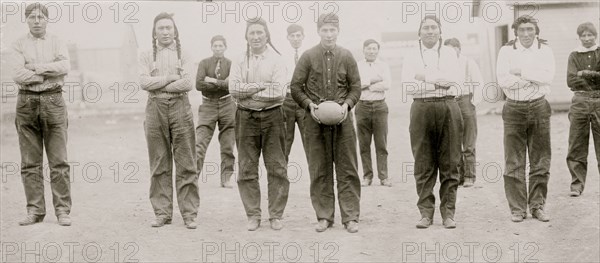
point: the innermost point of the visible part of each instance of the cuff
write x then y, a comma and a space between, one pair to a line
350, 103
306, 103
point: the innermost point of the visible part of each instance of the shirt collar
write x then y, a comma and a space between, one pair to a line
522, 48
582, 49
261, 55
33, 37
324, 50
434, 48
172, 46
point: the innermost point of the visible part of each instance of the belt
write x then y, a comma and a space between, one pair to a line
220, 98
525, 101
434, 99
156, 94
464, 96
44, 92
260, 110
371, 101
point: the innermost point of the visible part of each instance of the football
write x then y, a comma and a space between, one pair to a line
329, 112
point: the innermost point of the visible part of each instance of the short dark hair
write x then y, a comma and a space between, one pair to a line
452, 42
293, 28
523, 20
218, 38
29, 9
587, 26
369, 42
329, 18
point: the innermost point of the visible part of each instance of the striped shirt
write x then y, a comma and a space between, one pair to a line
263, 70
153, 75
536, 66
438, 70
49, 57
376, 70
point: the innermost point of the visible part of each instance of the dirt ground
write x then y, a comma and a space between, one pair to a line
111, 212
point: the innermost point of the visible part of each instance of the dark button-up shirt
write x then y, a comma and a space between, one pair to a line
580, 61
207, 68
326, 75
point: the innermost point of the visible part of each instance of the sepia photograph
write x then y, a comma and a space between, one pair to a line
300, 131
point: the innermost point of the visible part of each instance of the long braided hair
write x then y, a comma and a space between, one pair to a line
161, 16
523, 20
437, 21
256, 21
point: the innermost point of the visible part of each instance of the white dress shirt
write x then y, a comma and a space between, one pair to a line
376, 70
472, 81
291, 64
438, 70
536, 66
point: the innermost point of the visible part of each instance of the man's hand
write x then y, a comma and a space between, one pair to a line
420, 76
344, 112
314, 107
515, 71
376, 79
210, 80
586, 73
30, 67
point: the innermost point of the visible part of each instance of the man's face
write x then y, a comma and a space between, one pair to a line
526, 34
328, 34
371, 51
429, 32
587, 39
295, 39
218, 48
37, 22
164, 31
257, 36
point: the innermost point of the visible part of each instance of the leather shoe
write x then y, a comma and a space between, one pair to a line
31, 219
386, 182
575, 193
276, 224
322, 225
449, 223
190, 223
517, 218
64, 220
367, 182
253, 224
540, 215
351, 227
468, 184
424, 223
160, 221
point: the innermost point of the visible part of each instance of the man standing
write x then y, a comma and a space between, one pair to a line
293, 112
257, 83
583, 77
41, 63
429, 75
328, 72
469, 94
525, 69
372, 113
169, 125
217, 108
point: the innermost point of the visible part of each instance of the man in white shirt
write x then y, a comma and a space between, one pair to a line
293, 112
469, 94
429, 75
372, 112
525, 69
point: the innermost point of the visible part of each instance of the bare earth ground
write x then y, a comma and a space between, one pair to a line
111, 211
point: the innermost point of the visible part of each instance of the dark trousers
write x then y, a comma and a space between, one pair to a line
329, 145
584, 114
372, 123
467, 164
435, 138
211, 113
526, 132
169, 128
42, 121
256, 132
293, 114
